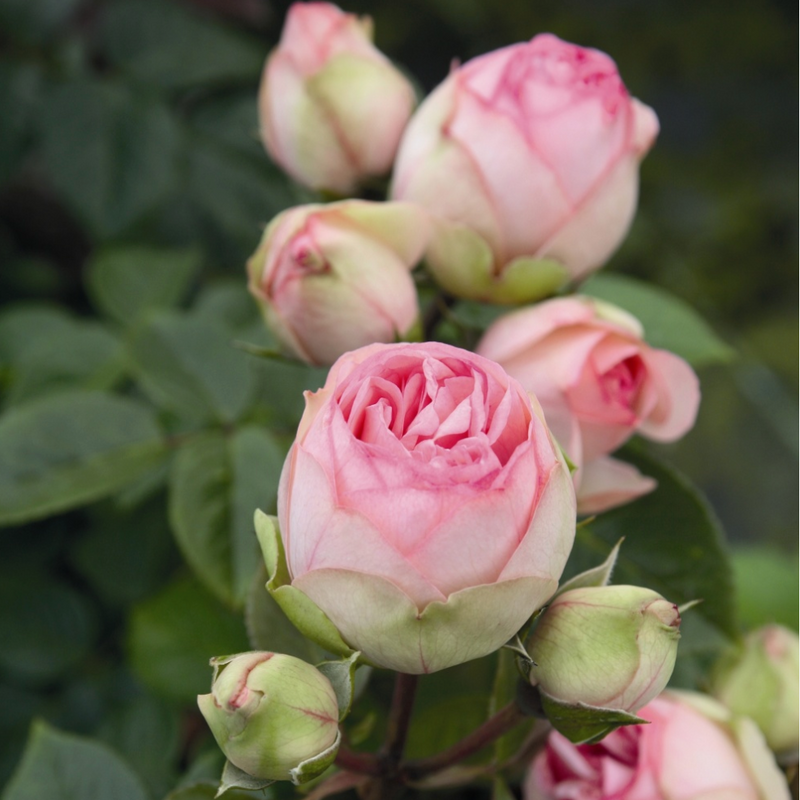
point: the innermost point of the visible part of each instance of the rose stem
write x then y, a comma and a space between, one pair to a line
503, 721
353, 761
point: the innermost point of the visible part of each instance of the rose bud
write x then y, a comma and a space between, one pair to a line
332, 107
530, 157
424, 506
691, 750
760, 680
270, 713
605, 646
336, 277
598, 383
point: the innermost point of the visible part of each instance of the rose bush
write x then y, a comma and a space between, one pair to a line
605, 646
424, 506
529, 157
332, 107
691, 750
598, 383
332, 278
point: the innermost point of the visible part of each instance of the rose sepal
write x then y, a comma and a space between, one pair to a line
342, 675
235, 778
596, 576
303, 613
306, 771
585, 724
462, 262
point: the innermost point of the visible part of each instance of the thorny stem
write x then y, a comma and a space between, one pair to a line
502, 722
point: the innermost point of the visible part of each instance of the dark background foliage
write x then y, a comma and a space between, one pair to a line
129, 151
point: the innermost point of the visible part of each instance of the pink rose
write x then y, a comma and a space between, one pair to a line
691, 750
424, 506
332, 278
530, 156
598, 383
332, 106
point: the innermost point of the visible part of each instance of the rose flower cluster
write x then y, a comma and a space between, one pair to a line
428, 505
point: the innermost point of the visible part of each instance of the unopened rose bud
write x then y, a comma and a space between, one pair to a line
332, 107
270, 713
333, 278
760, 680
606, 646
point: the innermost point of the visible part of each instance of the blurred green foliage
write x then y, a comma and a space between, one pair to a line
132, 189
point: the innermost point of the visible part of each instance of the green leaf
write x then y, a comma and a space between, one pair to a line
268, 628
583, 724
216, 484
24, 325
126, 282
767, 586
34, 21
190, 367
126, 553
85, 355
500, 790
46, 628
168, 46
208, 791
436, 726
669, 322
111, 155
20, 89
673, 545
60, 452
67, 767
173, 635
504, 691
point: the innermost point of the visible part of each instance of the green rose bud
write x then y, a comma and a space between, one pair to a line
605, 646
760, 680
270, 713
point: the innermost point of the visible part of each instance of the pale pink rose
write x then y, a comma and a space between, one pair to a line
598, 383
424, 506
332, 107
332, 278
691, 750
530, 157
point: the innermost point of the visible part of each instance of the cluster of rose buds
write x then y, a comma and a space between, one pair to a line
428, 505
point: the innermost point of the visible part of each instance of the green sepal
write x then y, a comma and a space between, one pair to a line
304, 614
306, 771
583, 724
597, 576
342, 675
235, 778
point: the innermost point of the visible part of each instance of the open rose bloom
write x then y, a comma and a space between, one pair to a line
691, 750
424, 506
529, 157
332, 107
598, 383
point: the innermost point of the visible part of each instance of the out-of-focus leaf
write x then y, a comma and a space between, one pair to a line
673, 544
110, 154
669, 322
766, 586
34, 21
146, 733
270, 629
231, 119
190, 366
173, 635
83, 356
208, 791
504, 690
63, 451
46, 627
20, 86
236, 193
67, 767
216, 484
229, 305
126, 553
24, 325
437, 726
126, 282
164, 44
